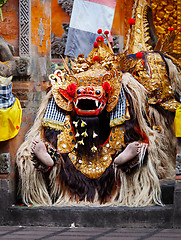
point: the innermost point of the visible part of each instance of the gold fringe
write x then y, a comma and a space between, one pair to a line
117, 121
53, 124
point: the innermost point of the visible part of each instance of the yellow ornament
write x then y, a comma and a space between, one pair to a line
76, 123
77, 134
84, 134
83, 124
94, 149
81, 142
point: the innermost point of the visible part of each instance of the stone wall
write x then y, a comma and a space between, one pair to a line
30, 37
9, 28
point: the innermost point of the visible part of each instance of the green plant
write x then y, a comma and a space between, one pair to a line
2, 2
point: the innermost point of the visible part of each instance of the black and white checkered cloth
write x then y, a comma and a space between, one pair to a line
56, 116
118, 113
53, 114
7, 99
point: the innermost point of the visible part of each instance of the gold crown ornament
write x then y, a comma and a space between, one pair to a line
93, 81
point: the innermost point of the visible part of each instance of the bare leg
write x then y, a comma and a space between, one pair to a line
129, 152
41, 153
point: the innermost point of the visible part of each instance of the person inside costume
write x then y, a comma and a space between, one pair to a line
100, 137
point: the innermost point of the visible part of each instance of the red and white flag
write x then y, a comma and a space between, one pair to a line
87, 17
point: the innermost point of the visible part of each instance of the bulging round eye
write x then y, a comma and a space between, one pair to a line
97, 92
78, 91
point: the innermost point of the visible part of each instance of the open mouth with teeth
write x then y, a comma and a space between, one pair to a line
88, 106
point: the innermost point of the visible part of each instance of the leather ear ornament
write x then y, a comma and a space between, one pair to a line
63, 90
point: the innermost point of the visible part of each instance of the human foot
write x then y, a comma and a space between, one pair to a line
129, 153
41, 153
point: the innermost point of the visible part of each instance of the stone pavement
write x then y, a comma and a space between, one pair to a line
72, 233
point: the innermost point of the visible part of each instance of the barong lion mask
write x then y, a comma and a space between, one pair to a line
91, 85
86, 92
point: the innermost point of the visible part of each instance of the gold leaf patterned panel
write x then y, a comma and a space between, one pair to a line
166, 14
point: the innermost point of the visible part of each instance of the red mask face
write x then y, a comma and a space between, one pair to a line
90, 100
87, 93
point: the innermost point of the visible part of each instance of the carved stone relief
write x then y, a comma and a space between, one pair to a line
4, 163
24, 27
178, 164
66, 5
22, 66
58, 43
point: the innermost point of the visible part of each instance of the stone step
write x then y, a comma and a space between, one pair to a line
167, 191
122, 217
150, 217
